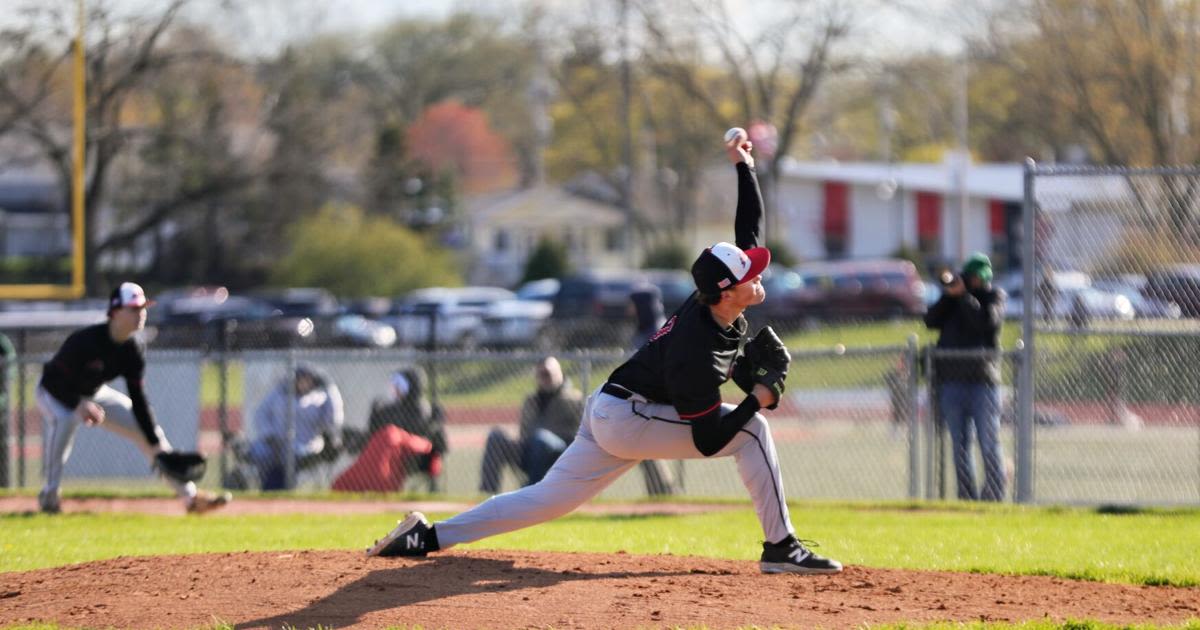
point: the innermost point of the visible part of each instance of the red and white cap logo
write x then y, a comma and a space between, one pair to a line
128, 294
725, 265
735, 259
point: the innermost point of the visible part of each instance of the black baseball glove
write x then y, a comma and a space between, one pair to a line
182, 466
768, 362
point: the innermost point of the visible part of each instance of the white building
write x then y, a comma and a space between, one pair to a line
505, 229
836, 210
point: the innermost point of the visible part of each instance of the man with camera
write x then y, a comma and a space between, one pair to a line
969, 315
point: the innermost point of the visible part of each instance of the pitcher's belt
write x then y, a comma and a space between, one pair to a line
622, 392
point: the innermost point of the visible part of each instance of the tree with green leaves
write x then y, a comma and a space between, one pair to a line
353, 254
547, 260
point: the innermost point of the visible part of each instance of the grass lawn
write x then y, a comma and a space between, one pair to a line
1155, 547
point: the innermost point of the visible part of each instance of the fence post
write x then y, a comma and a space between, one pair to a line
223, 399
289, 438
21, 429
6, 362
913, 410
933, 432
1024, 454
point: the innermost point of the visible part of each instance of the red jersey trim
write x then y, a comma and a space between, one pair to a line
702, 413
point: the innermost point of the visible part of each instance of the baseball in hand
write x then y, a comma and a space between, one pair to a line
736, 133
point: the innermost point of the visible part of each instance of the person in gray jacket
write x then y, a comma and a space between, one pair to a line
318, 418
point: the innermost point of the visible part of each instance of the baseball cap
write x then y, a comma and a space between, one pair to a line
978, 265
725, 265
128, 294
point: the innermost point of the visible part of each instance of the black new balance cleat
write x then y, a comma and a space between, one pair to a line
790, 556
413, 536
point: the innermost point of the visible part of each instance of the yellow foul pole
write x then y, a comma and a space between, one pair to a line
78, 169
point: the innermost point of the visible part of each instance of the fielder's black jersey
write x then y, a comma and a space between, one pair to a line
685, 363
90, 358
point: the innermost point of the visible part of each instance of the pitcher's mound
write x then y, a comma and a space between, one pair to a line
501, 589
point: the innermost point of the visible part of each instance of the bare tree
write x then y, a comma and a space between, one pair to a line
123, 54
771, 76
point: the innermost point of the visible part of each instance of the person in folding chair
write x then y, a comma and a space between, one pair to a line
405, 436
316, 405
665, 403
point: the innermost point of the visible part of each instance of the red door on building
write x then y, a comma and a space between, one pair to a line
836, 219
929, 224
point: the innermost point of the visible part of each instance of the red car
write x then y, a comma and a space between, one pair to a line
863, 289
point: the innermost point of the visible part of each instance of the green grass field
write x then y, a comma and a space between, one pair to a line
1152, 547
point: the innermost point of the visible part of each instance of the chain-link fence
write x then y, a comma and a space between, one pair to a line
1106, 412
1115, 295
851, 425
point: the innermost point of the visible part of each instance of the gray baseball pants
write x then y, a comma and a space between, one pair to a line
614, 435
60, 424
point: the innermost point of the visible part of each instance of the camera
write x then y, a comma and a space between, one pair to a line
947, 277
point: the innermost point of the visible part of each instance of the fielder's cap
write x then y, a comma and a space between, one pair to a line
724, 265
978, 265
128, 294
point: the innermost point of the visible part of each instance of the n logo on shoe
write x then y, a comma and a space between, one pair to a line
799, 554
413, 541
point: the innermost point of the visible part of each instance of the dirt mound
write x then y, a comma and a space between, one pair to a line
495, 589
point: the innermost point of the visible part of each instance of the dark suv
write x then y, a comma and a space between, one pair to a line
1178, 284
593, 309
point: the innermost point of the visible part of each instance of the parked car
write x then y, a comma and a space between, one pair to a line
864, 289
1178, 284
1077, 304
1132, 287
314, 308
356, 330
445, 316
542, 290
209, 317
523, 321
593, 308
676, 286
789, 300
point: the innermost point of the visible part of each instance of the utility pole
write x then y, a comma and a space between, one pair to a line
627, 127
963, 159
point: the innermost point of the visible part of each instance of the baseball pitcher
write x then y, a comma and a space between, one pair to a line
73, 391
665, 403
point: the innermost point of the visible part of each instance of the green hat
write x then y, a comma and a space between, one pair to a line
978, 265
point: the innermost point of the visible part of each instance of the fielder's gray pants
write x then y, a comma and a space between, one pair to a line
614, 435
61, 423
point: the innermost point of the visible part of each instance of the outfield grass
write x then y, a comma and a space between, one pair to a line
1154, 547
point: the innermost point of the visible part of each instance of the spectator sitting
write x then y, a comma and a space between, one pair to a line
549, 419
315, 405
407, 434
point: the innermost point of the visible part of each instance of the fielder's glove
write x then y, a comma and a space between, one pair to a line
769, 361
181, 466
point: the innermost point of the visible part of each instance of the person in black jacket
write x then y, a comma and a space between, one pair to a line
969, 315
665, 403
74, 390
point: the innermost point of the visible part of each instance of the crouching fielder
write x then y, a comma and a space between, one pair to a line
73, 391
665, 403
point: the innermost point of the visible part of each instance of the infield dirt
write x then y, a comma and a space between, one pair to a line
506, 589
